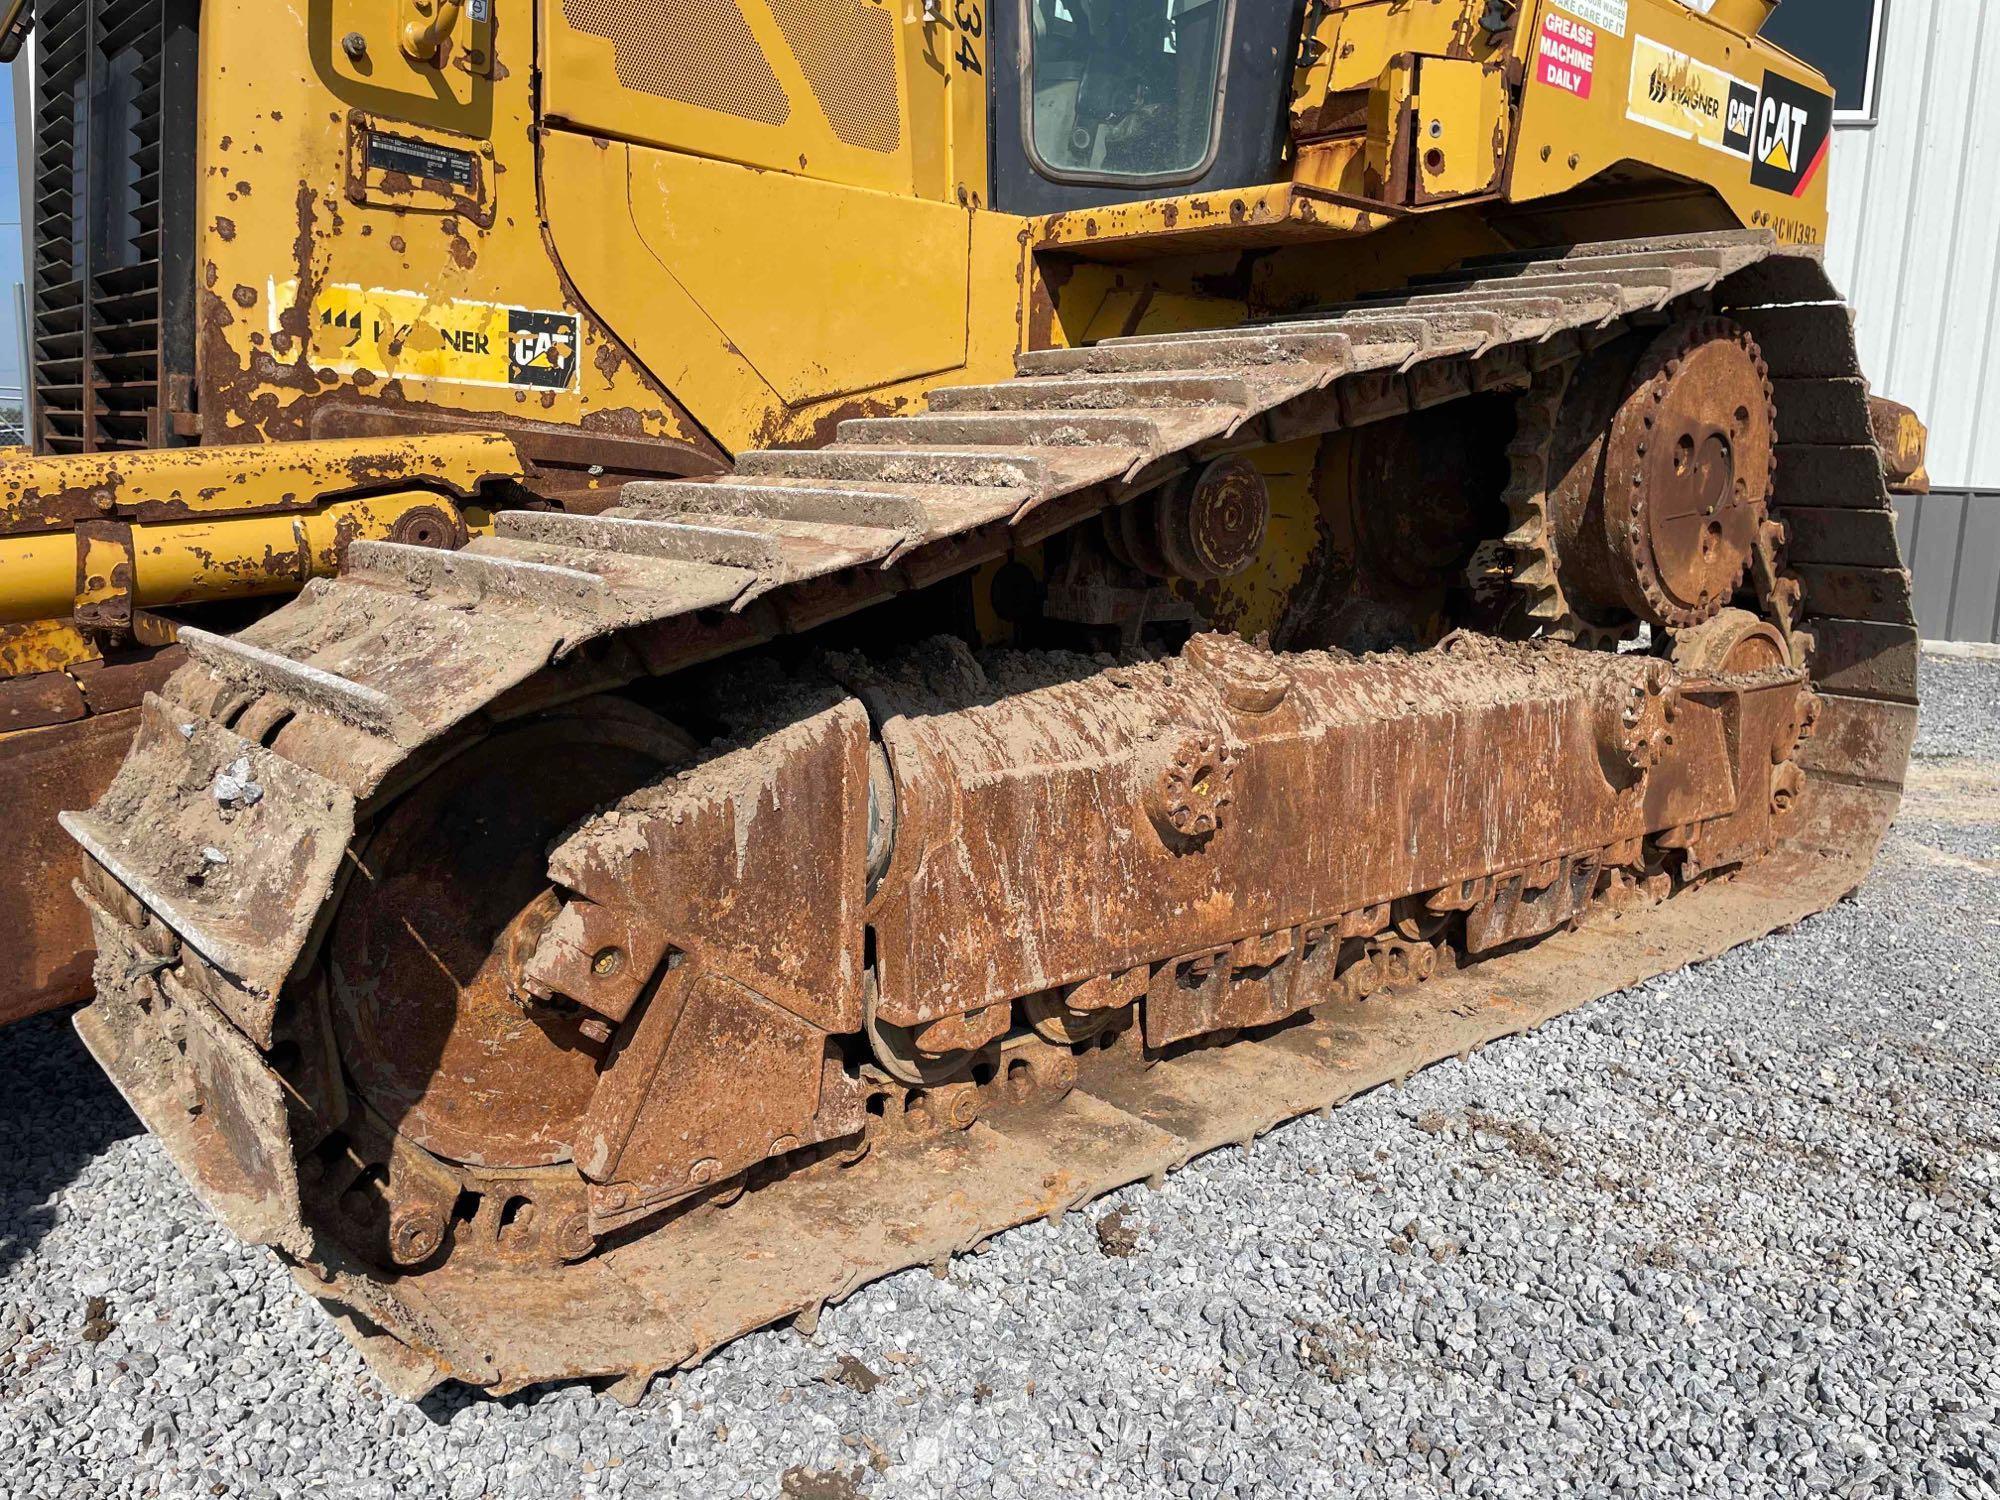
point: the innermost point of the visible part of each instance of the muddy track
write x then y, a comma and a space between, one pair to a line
216, 858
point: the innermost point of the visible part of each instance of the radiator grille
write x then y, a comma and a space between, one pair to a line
847, 50
699, 52
112, 205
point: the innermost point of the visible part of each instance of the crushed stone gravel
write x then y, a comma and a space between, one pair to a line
1730, 1233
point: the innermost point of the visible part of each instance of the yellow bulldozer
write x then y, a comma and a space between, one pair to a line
701, 649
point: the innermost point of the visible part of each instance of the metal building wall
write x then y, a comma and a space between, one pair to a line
1915, 244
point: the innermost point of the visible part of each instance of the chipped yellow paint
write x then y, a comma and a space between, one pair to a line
194, 561
33, 646
286, 196
54, 492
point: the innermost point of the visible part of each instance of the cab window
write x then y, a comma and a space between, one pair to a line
1125, 90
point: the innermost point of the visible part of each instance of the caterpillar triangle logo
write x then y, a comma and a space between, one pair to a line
1789, 136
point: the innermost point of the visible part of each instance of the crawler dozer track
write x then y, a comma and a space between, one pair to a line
263, 1027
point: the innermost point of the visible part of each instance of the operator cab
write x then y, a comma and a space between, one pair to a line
1112, 101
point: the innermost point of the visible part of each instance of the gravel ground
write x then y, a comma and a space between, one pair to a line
1730, 1233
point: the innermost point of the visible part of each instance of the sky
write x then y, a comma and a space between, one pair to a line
10, 242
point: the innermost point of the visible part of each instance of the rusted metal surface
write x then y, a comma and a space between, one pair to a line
1642, 479
435, 1031
785, 817
855, 1167
713, 1079
1234, 796
45, 959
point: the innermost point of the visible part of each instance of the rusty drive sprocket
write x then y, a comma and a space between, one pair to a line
1640, 481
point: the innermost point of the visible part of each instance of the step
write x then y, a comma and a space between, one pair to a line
482, 577
1706, 246
925, 511
1643, 292
1361, 327
641, 587
861, 543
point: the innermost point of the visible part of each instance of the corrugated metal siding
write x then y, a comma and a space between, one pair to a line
1951, 541
1915, 238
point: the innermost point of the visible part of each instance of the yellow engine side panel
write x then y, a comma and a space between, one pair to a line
879, 296
778, 304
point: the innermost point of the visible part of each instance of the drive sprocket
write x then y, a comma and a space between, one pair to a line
1641, 481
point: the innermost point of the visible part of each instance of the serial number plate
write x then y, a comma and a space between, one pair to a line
395, 153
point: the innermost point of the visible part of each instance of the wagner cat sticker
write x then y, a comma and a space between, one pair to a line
1687, 97
408, 336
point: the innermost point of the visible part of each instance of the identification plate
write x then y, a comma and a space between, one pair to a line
396, 153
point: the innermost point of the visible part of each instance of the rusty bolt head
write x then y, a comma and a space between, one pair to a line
703, 1171
355, 45
414, 1237
607, 961
573, 1239
784, 1145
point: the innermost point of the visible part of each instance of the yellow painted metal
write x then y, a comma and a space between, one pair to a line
189, 561
1252, 602
44, 493
888, 97
101, 586
33, 646
41, 578
1671, 94
290, 235
1353, 43
777, 221
1458, 120
880, 298
769, 343
1745, 16
1249, 218
426, 24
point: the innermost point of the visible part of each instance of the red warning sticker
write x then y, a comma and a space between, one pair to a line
1566, 55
